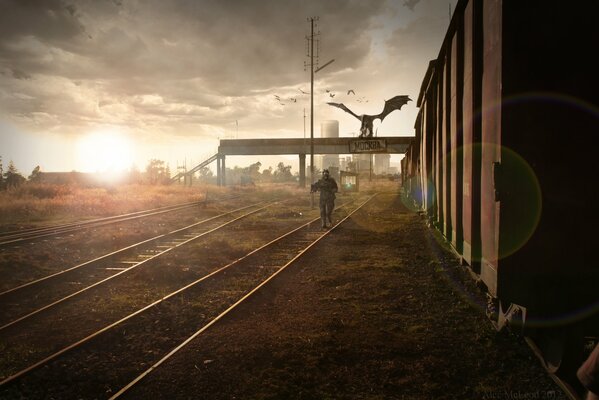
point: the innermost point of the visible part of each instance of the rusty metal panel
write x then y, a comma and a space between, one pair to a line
456, 150
471, 128
439, 158
468, 110
491, 138
446, 146
428, 151
423, 172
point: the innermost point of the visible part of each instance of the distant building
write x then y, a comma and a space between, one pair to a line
363, 163
69, 178
382, 163
83, 178
329, 129
344, 163
318, 162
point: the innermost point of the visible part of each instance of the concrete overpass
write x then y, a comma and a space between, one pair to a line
301, 147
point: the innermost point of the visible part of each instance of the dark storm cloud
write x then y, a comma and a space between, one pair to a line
422, 36
234, 45
49, 19
207, 60
18, 74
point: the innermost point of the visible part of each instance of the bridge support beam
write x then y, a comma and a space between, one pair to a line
220, 170
224, 170
302, 170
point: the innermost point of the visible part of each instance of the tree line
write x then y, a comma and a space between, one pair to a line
13, 178
157, 172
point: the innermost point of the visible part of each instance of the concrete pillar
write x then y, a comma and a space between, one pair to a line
224, 172
302, 170
218, 171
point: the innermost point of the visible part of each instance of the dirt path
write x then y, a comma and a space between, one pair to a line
379, 311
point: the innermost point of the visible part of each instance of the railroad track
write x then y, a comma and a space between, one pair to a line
28, 234
27, 300
115, 358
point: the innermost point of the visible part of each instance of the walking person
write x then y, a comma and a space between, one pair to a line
327, 188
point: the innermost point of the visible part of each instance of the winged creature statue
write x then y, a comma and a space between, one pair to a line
367, 120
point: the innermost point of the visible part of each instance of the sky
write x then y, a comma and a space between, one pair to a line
97, 85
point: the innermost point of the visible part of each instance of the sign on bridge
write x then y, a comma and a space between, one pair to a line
368, 146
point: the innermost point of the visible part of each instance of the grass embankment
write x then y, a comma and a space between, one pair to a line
40, 204
32, 204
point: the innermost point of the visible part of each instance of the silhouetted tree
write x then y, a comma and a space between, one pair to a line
157, 172
206, 175
267, 174
36, 175
135, 175
206, 172
283, 173
12, 177
254, 171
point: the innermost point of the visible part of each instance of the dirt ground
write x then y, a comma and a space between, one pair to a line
380, 309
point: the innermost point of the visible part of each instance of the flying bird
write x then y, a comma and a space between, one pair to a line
350, 91
410, 4
367, 120
303, 91
332, 94
293, 99
277, 97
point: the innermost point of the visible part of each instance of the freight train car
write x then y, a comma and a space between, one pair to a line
504, 165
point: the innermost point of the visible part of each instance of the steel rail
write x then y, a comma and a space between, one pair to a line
13, 237
48, 227
76, 223
34, 233
123, 250
70, 296
233, 306
93, 335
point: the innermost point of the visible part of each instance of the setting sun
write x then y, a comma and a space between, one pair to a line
104, 151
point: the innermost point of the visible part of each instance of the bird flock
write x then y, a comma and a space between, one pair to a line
327, 92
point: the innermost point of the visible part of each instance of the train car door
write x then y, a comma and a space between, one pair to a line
491, 142
456, 137
446, 146
439, 156
471, 137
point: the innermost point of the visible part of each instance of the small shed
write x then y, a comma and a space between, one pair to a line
348, 181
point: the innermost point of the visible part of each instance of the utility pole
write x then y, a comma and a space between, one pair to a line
310, 49
311, 40
304, 125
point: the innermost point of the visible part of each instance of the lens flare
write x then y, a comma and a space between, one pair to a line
104, 151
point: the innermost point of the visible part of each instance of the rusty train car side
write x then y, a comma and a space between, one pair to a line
502, 164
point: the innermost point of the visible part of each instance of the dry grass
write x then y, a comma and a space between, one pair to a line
42, 203
39, 204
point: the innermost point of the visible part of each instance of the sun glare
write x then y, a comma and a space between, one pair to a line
104, 151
